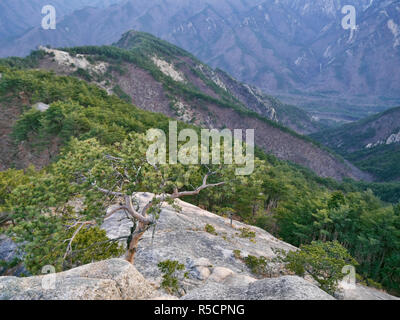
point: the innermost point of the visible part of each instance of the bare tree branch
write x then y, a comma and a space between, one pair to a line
116, 209
82, 224
108, 192
141, 217
4, 217
110, 157
178, 194
144, 220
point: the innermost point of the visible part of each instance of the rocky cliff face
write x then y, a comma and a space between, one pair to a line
182, 236
209, 259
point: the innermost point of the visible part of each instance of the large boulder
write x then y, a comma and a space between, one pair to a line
360, 292
114, 279
182, 236
281, 288
214, 271
285, 288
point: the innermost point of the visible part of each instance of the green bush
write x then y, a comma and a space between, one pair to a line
323, 261
210, 229
170, 274
28, 123
247, 233
237, 254
258, 266
90, 245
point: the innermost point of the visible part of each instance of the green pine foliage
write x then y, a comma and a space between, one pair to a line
324, 261
258, 266
171, 273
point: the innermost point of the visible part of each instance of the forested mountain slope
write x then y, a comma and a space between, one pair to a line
159, 77
373, 144
86, 127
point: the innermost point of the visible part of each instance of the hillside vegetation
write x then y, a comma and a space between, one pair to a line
159, 77
286, 200
372, 144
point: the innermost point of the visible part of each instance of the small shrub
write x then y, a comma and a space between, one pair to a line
28, 122
258, 266
169, 270
324, 261
368, 282
247, 233
210, 229
374, 284
237, 254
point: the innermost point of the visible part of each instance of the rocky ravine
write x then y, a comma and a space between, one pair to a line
214, 272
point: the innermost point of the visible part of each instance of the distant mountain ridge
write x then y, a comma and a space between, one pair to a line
19, 16
293, 49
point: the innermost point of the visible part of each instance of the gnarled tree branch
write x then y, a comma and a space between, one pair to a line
178, 194
81, 225
143, 218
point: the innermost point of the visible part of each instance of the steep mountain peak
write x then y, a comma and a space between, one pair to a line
182, 66
133, 39
148, 44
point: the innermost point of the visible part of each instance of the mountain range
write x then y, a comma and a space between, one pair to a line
159, 77
20, 16
80, 115
296, 50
